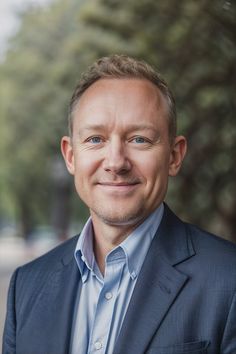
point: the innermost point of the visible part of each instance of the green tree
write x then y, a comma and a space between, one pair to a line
37, 78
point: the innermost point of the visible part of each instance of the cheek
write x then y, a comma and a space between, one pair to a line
85, 166
153, 167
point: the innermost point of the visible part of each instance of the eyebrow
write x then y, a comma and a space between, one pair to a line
129, 128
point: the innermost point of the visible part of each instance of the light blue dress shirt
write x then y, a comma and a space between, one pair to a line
102, 302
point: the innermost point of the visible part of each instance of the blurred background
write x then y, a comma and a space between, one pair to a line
44, 47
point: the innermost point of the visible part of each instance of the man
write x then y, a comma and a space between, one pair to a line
137, 280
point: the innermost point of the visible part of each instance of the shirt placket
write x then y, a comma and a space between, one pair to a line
105, 305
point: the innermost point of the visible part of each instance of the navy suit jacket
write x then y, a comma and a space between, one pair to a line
184, 300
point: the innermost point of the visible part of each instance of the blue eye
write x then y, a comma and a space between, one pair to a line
95, 140
139, 140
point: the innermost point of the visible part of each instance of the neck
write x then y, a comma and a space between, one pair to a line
107, 237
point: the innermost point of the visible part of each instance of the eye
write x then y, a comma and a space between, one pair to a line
139, 140
95, 140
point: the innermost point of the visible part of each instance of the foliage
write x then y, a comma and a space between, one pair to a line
37, 77
191, 42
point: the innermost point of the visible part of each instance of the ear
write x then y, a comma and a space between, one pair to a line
68, 153
179, 148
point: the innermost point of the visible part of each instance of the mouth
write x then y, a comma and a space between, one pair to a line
120, 187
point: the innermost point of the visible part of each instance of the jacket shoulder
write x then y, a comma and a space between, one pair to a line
49, 261
203, 237
212, 248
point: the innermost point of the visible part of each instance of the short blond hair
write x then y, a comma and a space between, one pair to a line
123, 66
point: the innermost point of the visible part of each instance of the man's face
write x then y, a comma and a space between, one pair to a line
120, 153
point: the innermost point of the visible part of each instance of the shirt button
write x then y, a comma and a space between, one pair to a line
108, 295
98, 345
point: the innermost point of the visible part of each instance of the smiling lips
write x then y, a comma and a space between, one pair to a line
119, 186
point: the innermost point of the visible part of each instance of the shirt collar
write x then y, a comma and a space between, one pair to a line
134, 254
84, 255
136, 245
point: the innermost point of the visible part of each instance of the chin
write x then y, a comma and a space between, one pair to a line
119, 218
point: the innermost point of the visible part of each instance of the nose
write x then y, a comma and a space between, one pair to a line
116, 160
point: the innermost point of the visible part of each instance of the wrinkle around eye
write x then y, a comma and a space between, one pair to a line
87, 147
94, 142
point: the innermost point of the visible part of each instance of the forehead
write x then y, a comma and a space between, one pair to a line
122, 99
119, 88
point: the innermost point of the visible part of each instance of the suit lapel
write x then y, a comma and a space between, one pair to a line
65, 304
158, 285
54, 305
